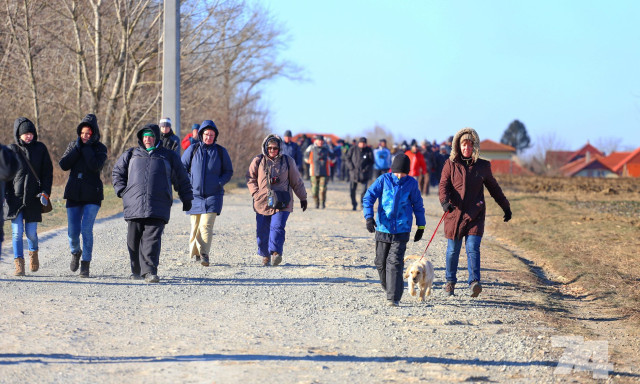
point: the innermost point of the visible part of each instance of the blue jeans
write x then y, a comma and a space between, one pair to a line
80, 220
18, 227
472, 246
270, 232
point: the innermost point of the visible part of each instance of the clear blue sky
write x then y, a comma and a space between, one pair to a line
425, 69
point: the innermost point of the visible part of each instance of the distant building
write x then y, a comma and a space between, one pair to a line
625, 164
503, 158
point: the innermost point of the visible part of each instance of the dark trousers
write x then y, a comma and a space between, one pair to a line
353, 187
144, 243
390, 263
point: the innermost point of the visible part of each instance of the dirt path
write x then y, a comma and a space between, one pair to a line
320, 318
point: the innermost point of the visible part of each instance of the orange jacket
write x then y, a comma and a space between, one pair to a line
418, 165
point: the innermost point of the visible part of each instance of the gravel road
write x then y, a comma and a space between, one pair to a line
321, 317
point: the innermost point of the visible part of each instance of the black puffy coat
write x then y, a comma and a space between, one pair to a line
85, 162
360, 162
143, 179
22, 194
8, 168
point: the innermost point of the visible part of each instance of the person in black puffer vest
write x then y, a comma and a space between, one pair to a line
84, 157
143, 177
29, 191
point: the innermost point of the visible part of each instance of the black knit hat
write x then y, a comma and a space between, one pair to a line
362, 140
401, 164
287, 133
26, 127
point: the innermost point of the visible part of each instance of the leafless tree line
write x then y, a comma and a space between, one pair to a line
62, 59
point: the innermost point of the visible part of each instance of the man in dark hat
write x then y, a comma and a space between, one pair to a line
291, 148
169, 139
393, 228
143, 177
360, 162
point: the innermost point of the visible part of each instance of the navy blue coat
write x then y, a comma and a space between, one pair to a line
143, 180
209, 170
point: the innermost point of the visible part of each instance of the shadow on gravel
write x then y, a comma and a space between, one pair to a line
258, 282
64, 358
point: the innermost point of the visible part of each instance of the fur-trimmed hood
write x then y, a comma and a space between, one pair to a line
266, 140
455, 145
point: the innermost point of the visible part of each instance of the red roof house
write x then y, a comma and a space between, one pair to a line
629, 166
502, 157
587, 166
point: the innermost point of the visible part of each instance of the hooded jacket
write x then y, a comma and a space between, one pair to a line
22, 194
143, 179
85, 161
463, 186
209, 168
8, 168
257, 178
399, 201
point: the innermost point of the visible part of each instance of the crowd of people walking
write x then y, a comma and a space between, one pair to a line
146, 175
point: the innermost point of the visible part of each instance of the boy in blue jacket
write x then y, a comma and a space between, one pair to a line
400, 199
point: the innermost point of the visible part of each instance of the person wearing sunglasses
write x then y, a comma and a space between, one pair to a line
272, 179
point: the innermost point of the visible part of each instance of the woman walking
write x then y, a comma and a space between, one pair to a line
28, 192
271, 178
209, 167
85, 158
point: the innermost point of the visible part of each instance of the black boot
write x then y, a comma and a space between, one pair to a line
84, 268
75, 260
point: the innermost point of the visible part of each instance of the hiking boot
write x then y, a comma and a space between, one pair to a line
355, 207
205, 260
393, 303
266, 261
317, 204
19, 266
277, 258
323, 205
475, 288
84, 268
151, 278
449, 288
135, 276
34, 263
75, 261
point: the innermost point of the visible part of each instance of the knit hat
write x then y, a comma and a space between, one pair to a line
466, 136
195, 126
165, 122
287, 133
401, 164
26, 127
362, 140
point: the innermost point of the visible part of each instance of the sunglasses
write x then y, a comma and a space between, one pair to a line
273, 148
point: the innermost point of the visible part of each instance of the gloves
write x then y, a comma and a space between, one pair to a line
507, 215
303, 205
186, 205
419, 233
371, 225
447, 207
44, 198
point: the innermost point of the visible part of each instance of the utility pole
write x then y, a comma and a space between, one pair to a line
171, 64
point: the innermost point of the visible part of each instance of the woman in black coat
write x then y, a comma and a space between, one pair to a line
29, 191
85, 158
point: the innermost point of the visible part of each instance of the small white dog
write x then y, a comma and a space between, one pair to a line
421, 272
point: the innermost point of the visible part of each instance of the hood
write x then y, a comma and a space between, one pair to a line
207, 124
266, 140
90, 121
23, 121
455, 144
156, 132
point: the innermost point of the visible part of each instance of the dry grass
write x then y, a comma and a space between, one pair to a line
586, 240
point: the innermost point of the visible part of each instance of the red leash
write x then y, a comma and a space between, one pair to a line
434, 233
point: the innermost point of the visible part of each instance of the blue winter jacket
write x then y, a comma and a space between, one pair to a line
143, 180
381, 158
399, 200
209, 170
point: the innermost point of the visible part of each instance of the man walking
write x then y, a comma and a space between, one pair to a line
382, 159
360, 160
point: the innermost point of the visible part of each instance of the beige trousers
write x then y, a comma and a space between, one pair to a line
201, 233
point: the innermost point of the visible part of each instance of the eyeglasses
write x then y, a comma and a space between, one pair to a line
273, 148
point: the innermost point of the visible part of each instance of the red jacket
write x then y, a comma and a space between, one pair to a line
418, 165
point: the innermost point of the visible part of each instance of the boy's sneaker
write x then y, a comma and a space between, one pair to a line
449, 288
475, 288
151, 278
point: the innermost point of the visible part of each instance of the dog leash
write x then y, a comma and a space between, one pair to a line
434, 233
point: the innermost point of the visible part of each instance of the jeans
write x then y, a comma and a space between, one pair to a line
80, 220
18, 227
472, 246
270, 232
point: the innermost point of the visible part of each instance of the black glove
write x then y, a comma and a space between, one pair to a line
507, 215
303, 205
371, 225
447, 207
186, 205
419, 233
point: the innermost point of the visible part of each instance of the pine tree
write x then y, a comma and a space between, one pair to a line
516, 136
